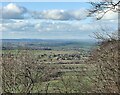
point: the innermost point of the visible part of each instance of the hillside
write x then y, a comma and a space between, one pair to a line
106, 60
53, 71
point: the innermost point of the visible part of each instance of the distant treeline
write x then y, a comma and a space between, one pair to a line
45, 44
26, 48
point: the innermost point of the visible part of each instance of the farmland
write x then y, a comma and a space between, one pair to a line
59, 70
52, 68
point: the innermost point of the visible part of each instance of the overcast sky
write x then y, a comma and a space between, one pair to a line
52, 21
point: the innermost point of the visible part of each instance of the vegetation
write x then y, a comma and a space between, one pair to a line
29, 71
65, 70
53, 71
106, 60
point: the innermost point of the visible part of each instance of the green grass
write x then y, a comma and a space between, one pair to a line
46, 51
71, 79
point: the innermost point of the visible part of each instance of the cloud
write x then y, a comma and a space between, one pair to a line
16, 25
35, 28
49, 26
56, 14
111, 16
12, 11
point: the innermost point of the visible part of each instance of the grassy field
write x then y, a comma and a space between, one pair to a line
63, 69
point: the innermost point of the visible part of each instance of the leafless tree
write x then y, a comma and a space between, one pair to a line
23, 72
103, 7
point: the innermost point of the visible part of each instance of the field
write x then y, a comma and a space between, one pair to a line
57, 68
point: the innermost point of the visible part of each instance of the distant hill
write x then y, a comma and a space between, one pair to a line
46, 44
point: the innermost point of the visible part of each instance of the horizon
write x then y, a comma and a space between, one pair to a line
43, 39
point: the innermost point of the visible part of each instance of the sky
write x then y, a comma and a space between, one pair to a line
52, 20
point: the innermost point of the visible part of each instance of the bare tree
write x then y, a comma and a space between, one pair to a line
106, 57
22, 72
103, 7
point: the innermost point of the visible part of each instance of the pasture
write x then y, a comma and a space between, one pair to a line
54, 71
